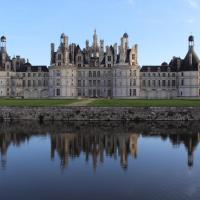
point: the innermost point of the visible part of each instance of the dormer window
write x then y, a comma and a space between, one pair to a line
109, 58
59, 57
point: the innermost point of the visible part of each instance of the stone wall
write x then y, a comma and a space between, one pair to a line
99, 114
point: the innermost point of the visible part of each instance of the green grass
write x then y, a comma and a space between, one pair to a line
145, 103
100, 103
36, 102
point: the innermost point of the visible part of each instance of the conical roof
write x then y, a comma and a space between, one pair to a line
187, 65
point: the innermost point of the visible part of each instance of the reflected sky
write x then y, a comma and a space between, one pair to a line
105, 160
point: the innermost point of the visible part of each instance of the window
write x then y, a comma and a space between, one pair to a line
154, 83
149, 83
59, 57
163, 83
158, 83
164, 75
144, 83
90, 83
79, 83
109, 65
98, 74
133, 56
99, 83
83, 83
90, 74
79, 92
182, 82
29, 83
94, 83
57, 92
173, 83
79, 65
94, 74
134, 92
109, 58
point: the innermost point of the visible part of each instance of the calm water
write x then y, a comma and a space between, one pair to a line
107, 160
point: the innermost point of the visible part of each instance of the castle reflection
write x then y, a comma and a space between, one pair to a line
95, 146
99, 140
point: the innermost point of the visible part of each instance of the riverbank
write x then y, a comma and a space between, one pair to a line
85, 113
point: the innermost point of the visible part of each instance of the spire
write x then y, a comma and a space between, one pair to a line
95, 39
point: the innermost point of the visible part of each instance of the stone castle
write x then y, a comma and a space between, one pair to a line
98, 71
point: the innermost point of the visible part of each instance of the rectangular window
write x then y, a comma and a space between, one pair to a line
173, 83
79, 83
163, 83
109, 58
149, 83
154, 83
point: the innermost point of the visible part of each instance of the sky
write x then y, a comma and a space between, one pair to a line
160, 27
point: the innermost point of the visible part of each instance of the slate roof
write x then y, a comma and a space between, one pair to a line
186, 66
24, 68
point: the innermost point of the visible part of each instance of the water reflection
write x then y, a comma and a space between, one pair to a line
99, 140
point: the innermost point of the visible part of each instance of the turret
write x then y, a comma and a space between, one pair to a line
64, 46
115, 52
3, 43
52, 53
101, 51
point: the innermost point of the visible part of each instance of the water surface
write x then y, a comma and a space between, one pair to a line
101, 160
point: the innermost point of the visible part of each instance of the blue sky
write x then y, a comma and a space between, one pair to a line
159, 27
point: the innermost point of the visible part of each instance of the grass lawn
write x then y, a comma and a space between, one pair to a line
145, 103
36, 102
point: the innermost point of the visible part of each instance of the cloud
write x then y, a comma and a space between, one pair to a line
193, 3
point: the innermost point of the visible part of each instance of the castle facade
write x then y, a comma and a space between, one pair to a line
98, 71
